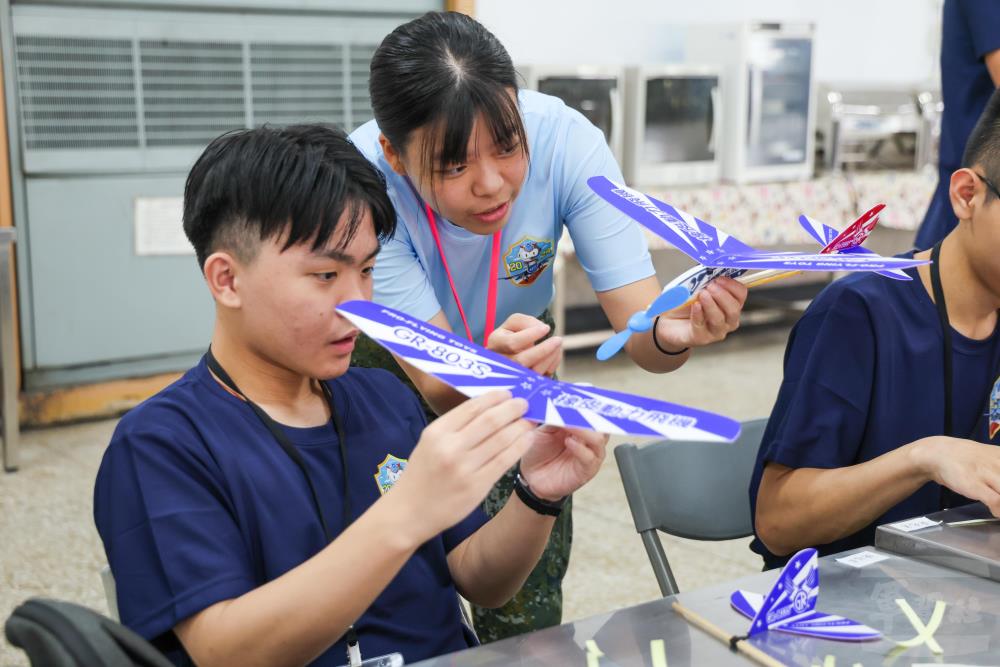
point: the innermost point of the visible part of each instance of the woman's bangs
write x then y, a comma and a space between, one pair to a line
447, 140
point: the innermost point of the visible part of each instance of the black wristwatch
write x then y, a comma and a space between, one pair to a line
544, 507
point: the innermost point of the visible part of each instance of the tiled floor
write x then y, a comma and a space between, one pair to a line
48, 545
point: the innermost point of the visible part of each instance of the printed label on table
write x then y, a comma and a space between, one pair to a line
911, 525
862, 558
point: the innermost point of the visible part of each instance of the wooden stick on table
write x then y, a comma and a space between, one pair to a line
741, 645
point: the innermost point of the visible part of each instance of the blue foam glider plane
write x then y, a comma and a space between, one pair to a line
473, 370
719, 254
790, 605
713, 247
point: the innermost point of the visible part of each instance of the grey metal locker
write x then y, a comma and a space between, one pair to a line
110, 103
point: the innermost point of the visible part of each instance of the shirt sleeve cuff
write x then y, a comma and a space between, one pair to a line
462, 531
798, 457
188, 604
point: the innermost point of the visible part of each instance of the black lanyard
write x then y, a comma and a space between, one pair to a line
935, 269
290, 449
351, 636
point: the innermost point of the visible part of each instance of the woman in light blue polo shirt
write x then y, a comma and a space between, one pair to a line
484, 179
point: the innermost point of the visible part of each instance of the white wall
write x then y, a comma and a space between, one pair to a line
859, 41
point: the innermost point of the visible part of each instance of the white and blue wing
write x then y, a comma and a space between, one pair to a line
895, 274
473, 370
696, 238
469, 368
712, 247
606, 411
746, 602
817, 262
831, 626
812, 624
823, 234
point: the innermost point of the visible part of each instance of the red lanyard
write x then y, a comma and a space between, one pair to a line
491, 291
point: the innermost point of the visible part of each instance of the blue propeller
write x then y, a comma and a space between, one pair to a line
643, 320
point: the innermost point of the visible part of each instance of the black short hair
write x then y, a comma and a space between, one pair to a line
249, 186
440, 70
983, 146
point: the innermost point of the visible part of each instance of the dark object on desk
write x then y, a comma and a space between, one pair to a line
955, 542
62, 634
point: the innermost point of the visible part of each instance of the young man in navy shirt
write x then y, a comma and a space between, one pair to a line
273, 504
888, 408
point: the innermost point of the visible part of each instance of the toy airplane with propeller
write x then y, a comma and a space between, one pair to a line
720, 254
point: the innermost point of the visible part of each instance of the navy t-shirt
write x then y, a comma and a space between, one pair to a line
970, 30
196, 503
864, 376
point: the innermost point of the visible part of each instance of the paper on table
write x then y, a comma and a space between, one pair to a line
911, 525
862, 558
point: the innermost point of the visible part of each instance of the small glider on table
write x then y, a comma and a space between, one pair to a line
474, 370
719, 254
790, 605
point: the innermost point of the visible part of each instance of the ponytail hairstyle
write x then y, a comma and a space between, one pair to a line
439, 72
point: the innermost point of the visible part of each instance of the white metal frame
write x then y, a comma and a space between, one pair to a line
638, 173
729, 45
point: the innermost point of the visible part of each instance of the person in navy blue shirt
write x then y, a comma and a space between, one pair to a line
273, 506
970, 72
868, 426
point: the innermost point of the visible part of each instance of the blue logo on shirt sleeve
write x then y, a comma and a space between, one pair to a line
527, 259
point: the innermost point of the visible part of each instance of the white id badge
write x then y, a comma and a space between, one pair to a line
388, 660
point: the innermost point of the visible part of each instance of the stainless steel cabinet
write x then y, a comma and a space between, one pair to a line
768, 104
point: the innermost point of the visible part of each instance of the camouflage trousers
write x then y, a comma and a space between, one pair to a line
539, 602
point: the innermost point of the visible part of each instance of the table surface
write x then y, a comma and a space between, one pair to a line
969, 633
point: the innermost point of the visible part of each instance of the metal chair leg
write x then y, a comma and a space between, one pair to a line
658, 559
